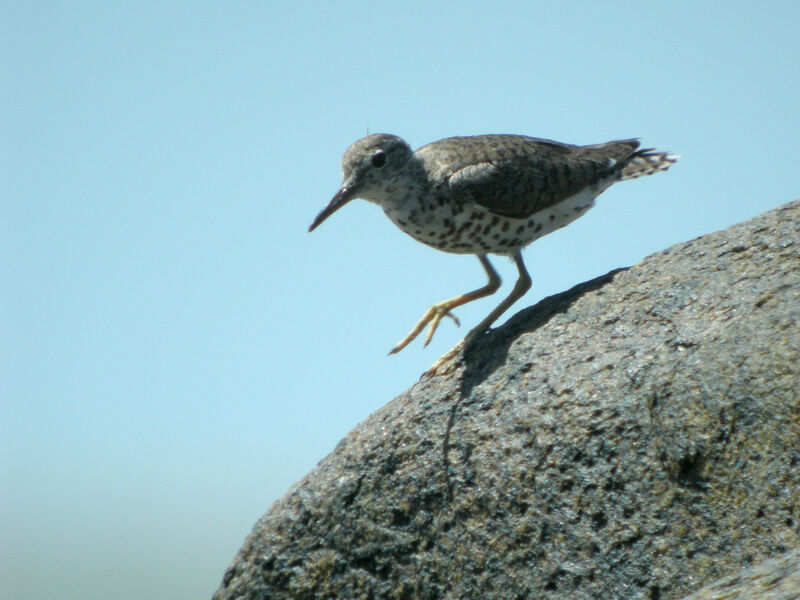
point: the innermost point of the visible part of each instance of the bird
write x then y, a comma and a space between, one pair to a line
484, 194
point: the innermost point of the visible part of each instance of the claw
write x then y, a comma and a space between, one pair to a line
445, 359
433, 315
435, 323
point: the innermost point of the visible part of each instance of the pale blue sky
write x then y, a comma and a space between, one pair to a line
177, 350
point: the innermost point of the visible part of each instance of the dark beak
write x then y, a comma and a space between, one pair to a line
342, 197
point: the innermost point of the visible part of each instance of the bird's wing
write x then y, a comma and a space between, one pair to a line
517, 176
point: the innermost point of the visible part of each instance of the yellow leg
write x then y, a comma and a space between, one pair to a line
522, 285
435, 313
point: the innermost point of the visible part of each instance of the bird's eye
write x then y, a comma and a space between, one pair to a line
379, 159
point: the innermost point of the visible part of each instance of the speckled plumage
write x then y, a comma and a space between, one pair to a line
488, 194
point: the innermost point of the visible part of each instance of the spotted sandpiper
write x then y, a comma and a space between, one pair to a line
485, 194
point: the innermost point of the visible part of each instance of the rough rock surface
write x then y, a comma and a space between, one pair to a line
635, 437
776, 579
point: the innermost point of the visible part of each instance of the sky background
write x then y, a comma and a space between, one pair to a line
176, 350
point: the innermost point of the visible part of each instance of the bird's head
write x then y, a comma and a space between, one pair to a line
369, 167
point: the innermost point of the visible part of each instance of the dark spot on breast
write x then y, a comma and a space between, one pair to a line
506, 225
520, 229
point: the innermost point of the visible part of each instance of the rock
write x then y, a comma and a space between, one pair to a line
777, 579
634, 437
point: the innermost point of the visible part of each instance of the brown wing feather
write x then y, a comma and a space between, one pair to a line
517, 176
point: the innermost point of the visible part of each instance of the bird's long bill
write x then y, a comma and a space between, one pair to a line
342, 197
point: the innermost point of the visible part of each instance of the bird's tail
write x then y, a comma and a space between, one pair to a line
646, 162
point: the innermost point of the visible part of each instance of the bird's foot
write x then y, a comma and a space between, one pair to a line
444, 364
433, 315
473, 335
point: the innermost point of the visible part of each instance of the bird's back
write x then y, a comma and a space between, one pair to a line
516, 175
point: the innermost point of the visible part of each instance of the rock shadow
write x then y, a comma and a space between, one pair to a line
485, 354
